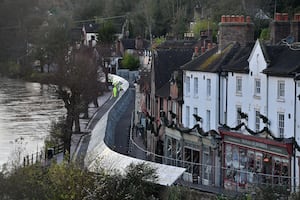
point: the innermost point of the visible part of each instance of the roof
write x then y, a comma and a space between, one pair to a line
130, 43
183, 44
239, 62
283, 61
212, 60
166, 61
164, 91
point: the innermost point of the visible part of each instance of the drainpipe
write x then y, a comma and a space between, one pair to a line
294, 150
219, 99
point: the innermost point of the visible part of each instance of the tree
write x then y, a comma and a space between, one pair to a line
107, 32
130, 62
76, 78
66, 181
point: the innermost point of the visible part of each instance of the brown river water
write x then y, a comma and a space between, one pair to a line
26, 112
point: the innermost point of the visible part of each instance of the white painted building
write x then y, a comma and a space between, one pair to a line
260, 81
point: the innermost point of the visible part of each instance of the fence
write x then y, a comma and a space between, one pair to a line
200, 175
43, 156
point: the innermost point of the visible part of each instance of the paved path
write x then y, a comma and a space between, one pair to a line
81, 145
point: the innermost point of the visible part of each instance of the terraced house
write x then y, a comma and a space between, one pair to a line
240, 112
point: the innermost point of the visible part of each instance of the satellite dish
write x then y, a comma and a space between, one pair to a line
290, 39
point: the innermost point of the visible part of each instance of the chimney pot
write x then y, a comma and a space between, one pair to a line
285, 16
248, 19
223, 18
202, 50
297, 17
227, 18
209, 45
277, 16
242, 18
232, 19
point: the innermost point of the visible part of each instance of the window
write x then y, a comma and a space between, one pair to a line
174, 107
281, 124
257, 87
238, 116
187, 85
161, 104
280, 89
238, 85
187, 116
208, 87
257, 121
207, 120
195, 86
196, 113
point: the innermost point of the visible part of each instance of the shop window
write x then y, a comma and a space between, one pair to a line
178, 154
169, 151
207, 166
229, 174
251, 166
277, 170
188, 159
196, 166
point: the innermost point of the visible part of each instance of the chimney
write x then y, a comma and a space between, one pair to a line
234, 28
196, 52
280, 27
295, 27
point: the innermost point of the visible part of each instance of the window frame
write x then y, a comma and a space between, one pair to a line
257, 87
188, 85
257, 120
280, 91
196, 86
238, 116
187, 117
280, 124
208, 87
208, 119
239, 85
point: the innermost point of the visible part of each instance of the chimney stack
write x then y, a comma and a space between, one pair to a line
295, 27
235, 28
280, 27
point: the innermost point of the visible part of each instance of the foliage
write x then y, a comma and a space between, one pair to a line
204, 25
10, 69
56, 133
66, 181
106, 33
265, 34
130, 62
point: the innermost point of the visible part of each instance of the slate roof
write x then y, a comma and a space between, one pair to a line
282, 61
167, 61
212, 60
130, 43
164, 91
239, 62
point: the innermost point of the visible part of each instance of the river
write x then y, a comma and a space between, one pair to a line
26, 113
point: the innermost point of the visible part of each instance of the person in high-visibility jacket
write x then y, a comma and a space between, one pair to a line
115, 91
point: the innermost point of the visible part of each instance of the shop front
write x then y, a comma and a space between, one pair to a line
250, 161
199, 155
